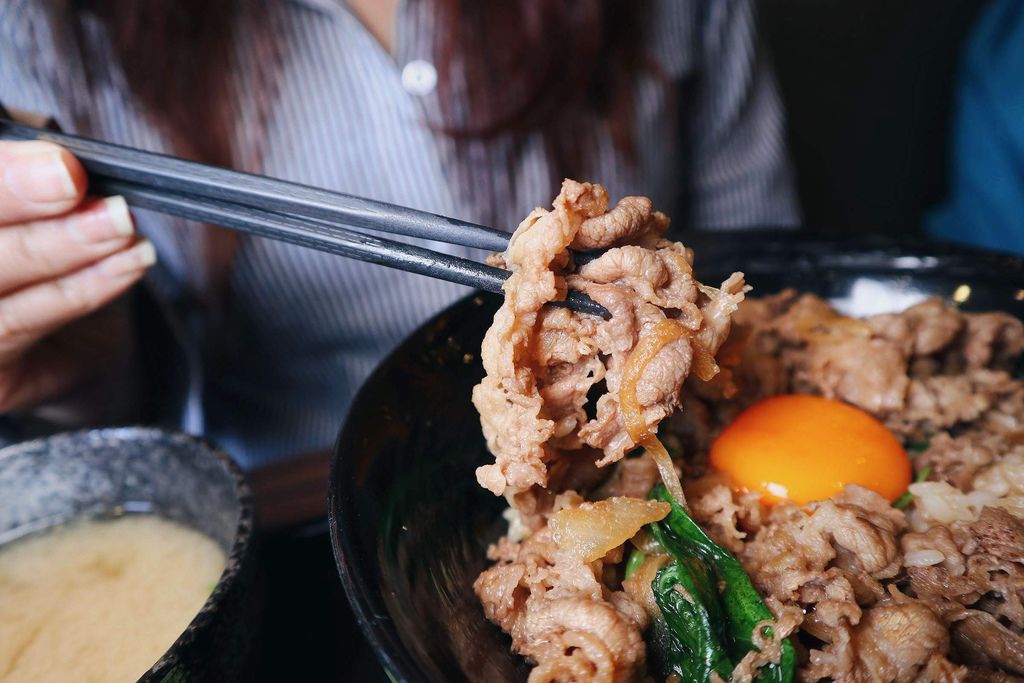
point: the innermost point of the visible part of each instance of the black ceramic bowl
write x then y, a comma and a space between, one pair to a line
110, 472
410, 524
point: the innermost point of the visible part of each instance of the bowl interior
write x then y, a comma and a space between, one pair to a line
409, 523
118, 471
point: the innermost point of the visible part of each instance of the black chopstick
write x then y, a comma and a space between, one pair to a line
286, 211
189, 178
327, 238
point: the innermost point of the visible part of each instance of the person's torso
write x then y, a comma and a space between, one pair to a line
304, 329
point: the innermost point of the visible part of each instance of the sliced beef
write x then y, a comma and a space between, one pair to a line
785, 554
941, 670
1000, 534
869, 373
981, 674
542, 363
632, 477
992, 340
981, 640
921, 330
957, 459
942, 401
872, 598
863, 527
934, 547
894, 642
831, 560
662, 277
582, 639
926, 369
631, 221
938, 584
559, 613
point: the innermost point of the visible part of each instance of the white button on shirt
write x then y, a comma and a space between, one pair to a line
419, 77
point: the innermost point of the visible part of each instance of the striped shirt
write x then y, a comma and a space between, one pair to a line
307, 328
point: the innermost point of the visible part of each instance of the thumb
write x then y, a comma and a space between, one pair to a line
38, 180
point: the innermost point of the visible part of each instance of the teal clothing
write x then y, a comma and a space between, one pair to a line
985, 205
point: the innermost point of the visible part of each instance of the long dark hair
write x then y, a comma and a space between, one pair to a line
555, 59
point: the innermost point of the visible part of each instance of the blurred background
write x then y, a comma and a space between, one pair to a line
868, 87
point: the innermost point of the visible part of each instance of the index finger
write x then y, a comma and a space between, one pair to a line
38, 180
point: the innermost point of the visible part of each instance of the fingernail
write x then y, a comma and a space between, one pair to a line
130, 261
120, 218
39, 176
105, 220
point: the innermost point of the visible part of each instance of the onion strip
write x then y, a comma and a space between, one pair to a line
646, 349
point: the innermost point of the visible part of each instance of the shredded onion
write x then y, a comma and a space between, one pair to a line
646, 349
645, 543
639, 587
684, 265
665, 467
704, 364
592, 529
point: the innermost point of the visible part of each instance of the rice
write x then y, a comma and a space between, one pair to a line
938, 502
923, 558
1003, 478
1000, 485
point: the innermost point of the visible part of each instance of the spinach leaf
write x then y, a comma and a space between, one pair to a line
636, 558
740, 607
692, 648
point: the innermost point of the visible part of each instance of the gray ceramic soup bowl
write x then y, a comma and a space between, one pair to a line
111, 472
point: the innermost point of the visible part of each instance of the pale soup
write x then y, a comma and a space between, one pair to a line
100, 600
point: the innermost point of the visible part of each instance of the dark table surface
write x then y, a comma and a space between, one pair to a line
310, 632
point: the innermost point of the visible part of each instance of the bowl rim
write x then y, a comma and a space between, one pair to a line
898, 254
244, 528
385, 642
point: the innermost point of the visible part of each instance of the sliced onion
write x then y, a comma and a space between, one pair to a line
629, 408
665, 468
592, 529
638, 586
640, 357
645, 543
704, 364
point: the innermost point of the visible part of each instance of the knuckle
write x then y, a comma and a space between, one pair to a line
74, 296
27, 254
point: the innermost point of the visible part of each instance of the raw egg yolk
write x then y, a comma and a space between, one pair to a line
806, 448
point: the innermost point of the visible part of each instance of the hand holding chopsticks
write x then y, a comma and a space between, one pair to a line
285, 211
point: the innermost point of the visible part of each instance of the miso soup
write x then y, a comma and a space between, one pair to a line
100, 600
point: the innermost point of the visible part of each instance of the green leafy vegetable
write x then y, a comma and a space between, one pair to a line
636, 558
685, 593
733, 605
918, 446
903, 501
